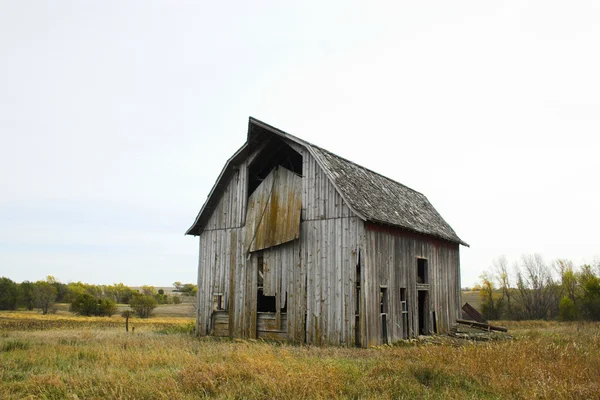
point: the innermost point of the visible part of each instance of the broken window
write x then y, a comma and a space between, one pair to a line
218, 304
263, 303
261, 271
383, 306
422, 270
357, 303
383, 300
404, 308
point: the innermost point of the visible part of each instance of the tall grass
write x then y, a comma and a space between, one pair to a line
549, 361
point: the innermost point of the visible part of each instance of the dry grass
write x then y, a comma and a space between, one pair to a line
547, 360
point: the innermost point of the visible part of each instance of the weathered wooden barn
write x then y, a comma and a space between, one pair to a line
297, 243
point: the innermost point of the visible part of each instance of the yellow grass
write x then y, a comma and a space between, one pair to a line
83, 360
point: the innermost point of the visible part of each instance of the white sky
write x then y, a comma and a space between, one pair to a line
116, 117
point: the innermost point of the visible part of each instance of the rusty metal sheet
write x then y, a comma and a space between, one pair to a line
273, 215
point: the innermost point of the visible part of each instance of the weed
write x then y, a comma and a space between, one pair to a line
15, 344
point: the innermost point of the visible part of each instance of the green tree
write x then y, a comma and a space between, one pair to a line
8, 294
84, 304
27, 295
491, 303
567, 310
148, 290
107, 307
143, 305
45, 296
591, 298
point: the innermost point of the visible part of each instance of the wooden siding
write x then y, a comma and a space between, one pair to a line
391, 262
230, 211
274, 210
320, 199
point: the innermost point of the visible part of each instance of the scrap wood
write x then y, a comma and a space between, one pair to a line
482, 326
473, 314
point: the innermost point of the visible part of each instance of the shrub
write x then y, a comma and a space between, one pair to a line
107, 307
143, 305
84, 304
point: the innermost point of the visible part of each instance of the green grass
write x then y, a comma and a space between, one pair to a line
163, 361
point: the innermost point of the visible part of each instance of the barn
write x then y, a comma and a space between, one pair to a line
300, 244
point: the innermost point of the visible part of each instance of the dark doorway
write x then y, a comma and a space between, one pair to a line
423, 312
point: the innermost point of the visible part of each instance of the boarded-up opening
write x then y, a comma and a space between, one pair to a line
274, 209
422, 270
423, 312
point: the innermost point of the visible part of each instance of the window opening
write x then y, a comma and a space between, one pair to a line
404, 308
263, 303
357, 303
218, 304
260, 280
383, 306
422, 270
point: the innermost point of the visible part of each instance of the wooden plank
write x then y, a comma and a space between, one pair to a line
274, 210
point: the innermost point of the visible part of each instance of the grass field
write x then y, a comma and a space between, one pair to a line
61, 356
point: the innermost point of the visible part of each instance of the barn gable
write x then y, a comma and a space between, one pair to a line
369, 195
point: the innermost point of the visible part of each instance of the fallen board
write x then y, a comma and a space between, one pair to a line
482, 326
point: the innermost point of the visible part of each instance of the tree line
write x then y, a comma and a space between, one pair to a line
539, 290
86, 299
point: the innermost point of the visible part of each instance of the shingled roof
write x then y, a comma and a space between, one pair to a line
370, 195
383, 200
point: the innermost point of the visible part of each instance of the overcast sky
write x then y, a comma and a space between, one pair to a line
116, 118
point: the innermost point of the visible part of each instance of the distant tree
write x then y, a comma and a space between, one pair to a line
107, 307
84, 304
62, 290
537, 291
491, 303
161, 292
143, 305
567, 310
26, 296
148, 290
45, 296
8, 294
591, 298
568, 279
500, 268
189, 289
176, 299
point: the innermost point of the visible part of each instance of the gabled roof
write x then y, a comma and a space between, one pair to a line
371, 196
